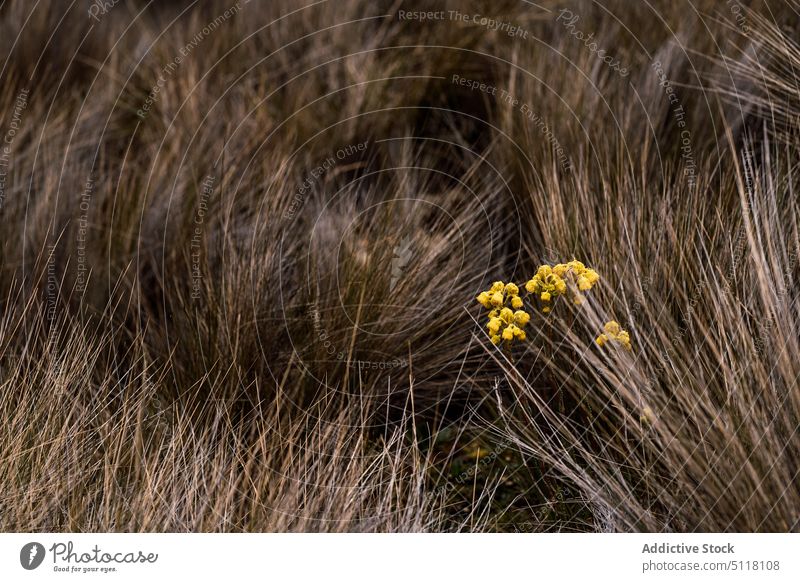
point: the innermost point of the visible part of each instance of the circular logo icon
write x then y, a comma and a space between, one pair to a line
31, 555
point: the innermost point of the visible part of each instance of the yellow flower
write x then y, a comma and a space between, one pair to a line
569, 279
613, 332
551, 281
521, 318
577, 266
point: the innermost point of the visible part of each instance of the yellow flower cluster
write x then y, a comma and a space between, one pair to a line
613, 332
506, 316
498, 294
504, 323
551, 281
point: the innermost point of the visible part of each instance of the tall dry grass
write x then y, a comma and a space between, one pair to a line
193, 341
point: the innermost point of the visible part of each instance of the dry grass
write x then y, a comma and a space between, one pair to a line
189, 343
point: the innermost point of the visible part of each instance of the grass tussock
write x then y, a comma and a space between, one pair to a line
237, 290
